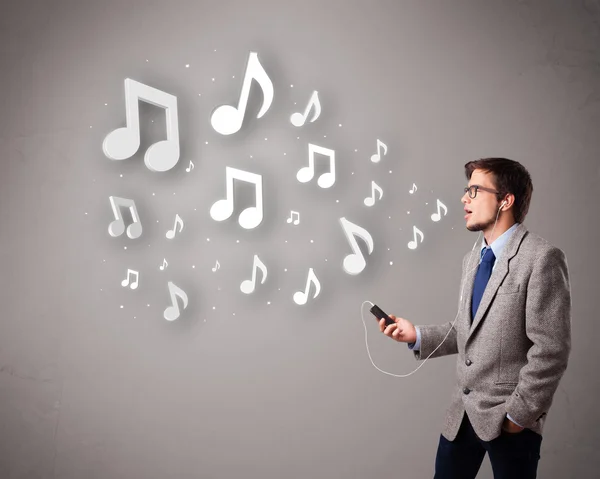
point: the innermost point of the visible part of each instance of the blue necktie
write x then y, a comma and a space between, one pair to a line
481, 279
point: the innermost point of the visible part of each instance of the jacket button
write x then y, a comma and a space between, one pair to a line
466, 390
468, 362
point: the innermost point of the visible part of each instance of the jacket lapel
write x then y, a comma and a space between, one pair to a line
498, 274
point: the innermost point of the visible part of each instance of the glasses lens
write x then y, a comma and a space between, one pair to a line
473, 191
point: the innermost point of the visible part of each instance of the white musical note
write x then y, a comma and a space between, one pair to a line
178, 221
217, 266
122, 143
413, 189
377, 156
355, 262
117, 227
370, 201
413, 243
134, 284
228, 119
298, 119
171, 313
247, 285
164, 265
222, 209
437, 216
297, 220
300, 297
191, 167
306, 173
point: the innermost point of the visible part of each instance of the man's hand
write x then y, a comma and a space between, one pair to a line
511, 427
402, 330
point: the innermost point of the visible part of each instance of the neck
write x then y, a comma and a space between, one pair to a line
503, 225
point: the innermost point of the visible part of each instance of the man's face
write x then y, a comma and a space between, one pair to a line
482, 209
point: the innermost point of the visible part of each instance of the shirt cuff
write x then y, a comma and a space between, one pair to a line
508, 416
416, 346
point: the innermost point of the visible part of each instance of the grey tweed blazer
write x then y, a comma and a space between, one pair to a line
511, 359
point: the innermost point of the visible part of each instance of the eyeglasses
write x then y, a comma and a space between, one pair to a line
474, 188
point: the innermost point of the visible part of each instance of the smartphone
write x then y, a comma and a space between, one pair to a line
378, 313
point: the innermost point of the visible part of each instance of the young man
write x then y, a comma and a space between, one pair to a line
512, 333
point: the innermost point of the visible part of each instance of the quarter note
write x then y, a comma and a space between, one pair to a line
370, 201
413, 189
123, 143
377, 156
355, 262
178, 221
216, 267
228, 119
164, 265
249, 218
298, 119
306, 173
172, 312
117, 227
437, 216
413, 243
190, 168
300, 297
134, 283
248, 285
291, 218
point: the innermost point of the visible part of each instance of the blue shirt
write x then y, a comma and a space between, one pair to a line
497, 247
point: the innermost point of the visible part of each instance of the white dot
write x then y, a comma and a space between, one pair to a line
297, 137
206, 142
146, 60
286, 241
207, 239
250, 156
388, 249
187, 65
205, 320
194, 209
337, 201
340, 124
106, 104
199, 94
355, 149
121, 175
153, 194
86, 212
148, 305
390, 171
285, 269
268, 302
311, 241
213, 79
389, 217
233, 76
121, 306
134, 317
234, 314
157, 221
90, 126
215, 49
237, 241
173, 193
408, 212
291, 86
104, 261
100, 289
284, 154
353, 172
324, 136
193, 266
124, 247
391, 263
214, 307
265, 139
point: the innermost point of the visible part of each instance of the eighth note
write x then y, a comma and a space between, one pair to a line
217, 266
117, 227
298, 119
191, 167
178, 221
297, 220
377, 156
306, 173
437, 216
248, 285
300, 297
355, 262
416, 231
252, 216
228, 119
164, 265
413, 189
370, 201
171, 313
134, 283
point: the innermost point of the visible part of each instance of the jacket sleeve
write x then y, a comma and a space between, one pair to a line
548, 327
432, 335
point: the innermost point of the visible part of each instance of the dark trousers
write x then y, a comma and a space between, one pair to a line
513, 455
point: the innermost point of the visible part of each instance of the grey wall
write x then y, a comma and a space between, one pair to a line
257, 386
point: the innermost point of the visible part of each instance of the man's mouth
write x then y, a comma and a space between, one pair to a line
467, 212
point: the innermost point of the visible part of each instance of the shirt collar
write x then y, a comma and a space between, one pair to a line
499, 243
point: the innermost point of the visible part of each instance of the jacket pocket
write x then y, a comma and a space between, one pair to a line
510, 288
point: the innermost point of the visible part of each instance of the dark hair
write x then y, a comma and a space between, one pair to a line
509, 176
